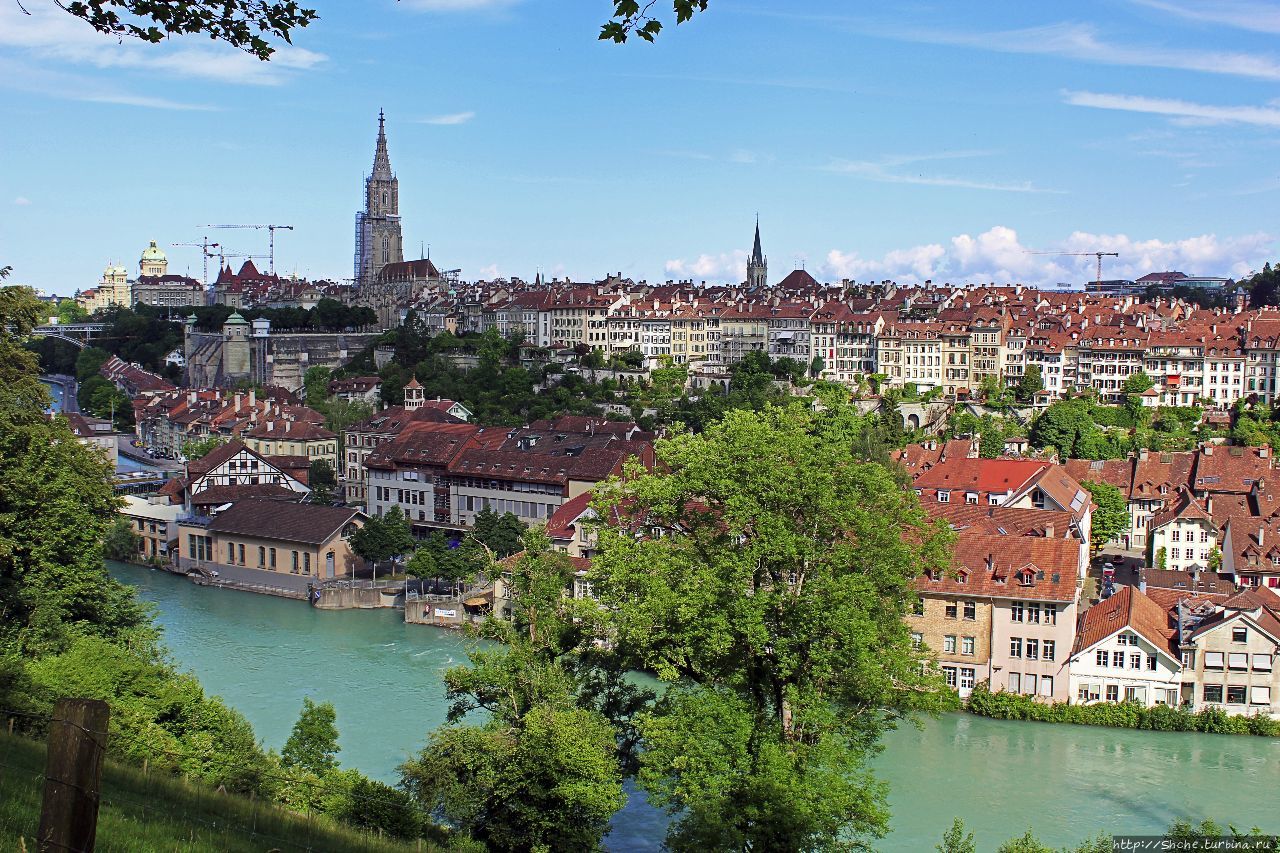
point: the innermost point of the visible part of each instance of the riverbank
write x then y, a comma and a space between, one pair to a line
263, 655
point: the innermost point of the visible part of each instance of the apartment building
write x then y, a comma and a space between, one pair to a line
1126, 651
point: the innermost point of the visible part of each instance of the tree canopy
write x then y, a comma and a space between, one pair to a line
1110, 514
770, 596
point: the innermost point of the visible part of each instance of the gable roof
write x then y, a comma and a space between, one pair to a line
292, 522
1128, 608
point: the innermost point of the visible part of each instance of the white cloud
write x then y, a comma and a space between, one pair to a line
1177, 109
489, 272
449, 118
1080, 42
890, 170
1241, 14
722, 267
998, 255
26, 77
50, 34
22, 201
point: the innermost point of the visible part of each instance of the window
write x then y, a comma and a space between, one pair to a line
273, 559
1135, 694
1175, 536
949, 644
1015, 647
1033, 612
1189, 659
1238, 661
1212, 693
1175, 553
1113, 693
1239, 635
917, 606
1015, 682
949, 675
1117, 660
1235, 694
966, 645
971, 497
970, 610
1050, 614
944, 496
1046, 685
1135, 661
1102, 657
1033, 649
1015, 611
1029, 683
262, 557
1213, 660
231, 552
306, 563
1262, 663
294, 570
242, 553
967, 679
1151, 662
1048, 648
917, 640
952, 610
1260, 695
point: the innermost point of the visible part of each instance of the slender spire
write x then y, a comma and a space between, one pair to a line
757, 255
381, 160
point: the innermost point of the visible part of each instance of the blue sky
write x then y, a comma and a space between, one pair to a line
928, 141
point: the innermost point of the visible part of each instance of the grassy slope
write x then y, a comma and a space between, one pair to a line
149, 814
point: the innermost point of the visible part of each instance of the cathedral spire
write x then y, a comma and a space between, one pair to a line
381, 160
757, 265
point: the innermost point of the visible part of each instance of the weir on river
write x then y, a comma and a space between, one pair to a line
262, 655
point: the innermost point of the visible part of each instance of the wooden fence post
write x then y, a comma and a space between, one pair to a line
72, 775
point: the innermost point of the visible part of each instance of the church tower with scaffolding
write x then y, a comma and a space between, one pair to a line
378, 238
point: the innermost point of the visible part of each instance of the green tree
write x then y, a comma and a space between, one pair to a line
632, 18
89, 362
1061, 426
315, 384
313, 743
121, 542
499, 533
773, 605
542, 772
1136, 383
69, 311
956, 840
383, 538
244, 24
323, 482
1030, 384
372, 805
1110, 513
816, 366
202, 447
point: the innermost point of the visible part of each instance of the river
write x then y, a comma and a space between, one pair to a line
263, 655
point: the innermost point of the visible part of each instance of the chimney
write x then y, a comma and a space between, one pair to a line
1048, 530
1264, 452
1207, 450
191, 398
253, 398
271, 425
1143, 453
1262, 530
1208, 504
1142, 587
237, 399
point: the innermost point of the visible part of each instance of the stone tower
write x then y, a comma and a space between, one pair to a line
378, 238
757, 264
413, 395
235, 348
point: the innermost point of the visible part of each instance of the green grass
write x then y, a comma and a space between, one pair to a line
157, 812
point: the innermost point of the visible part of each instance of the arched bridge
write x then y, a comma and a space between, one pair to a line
79, 334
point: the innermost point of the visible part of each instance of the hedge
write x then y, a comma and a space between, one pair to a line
1121, 715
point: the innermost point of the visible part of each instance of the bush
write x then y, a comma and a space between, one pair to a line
1121, 715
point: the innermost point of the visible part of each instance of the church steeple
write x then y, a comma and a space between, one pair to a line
757, 265
382, 160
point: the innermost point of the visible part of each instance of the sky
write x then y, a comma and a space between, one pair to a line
942, 141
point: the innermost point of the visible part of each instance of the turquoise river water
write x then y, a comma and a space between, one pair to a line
262, 655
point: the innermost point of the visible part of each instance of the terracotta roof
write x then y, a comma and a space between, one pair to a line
292, 522
981, 475
1231, 469
1128, 608
995, 566
219, 495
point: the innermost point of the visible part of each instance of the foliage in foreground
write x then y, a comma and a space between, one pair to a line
1123, 715
769, 591
1182, 835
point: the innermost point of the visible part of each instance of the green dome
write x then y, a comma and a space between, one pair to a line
236, 320
153, 253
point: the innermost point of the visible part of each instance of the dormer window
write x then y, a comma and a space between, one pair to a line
1026, 578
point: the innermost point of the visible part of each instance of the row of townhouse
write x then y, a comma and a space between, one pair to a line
441, 472
946, 337
166, 421
1008, 612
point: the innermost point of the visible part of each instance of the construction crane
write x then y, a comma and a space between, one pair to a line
1098, 255
222, 256
271, 238
204, 248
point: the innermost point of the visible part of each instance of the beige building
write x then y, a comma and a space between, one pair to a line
1229, 657
155, 523
293, 438
271, 543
